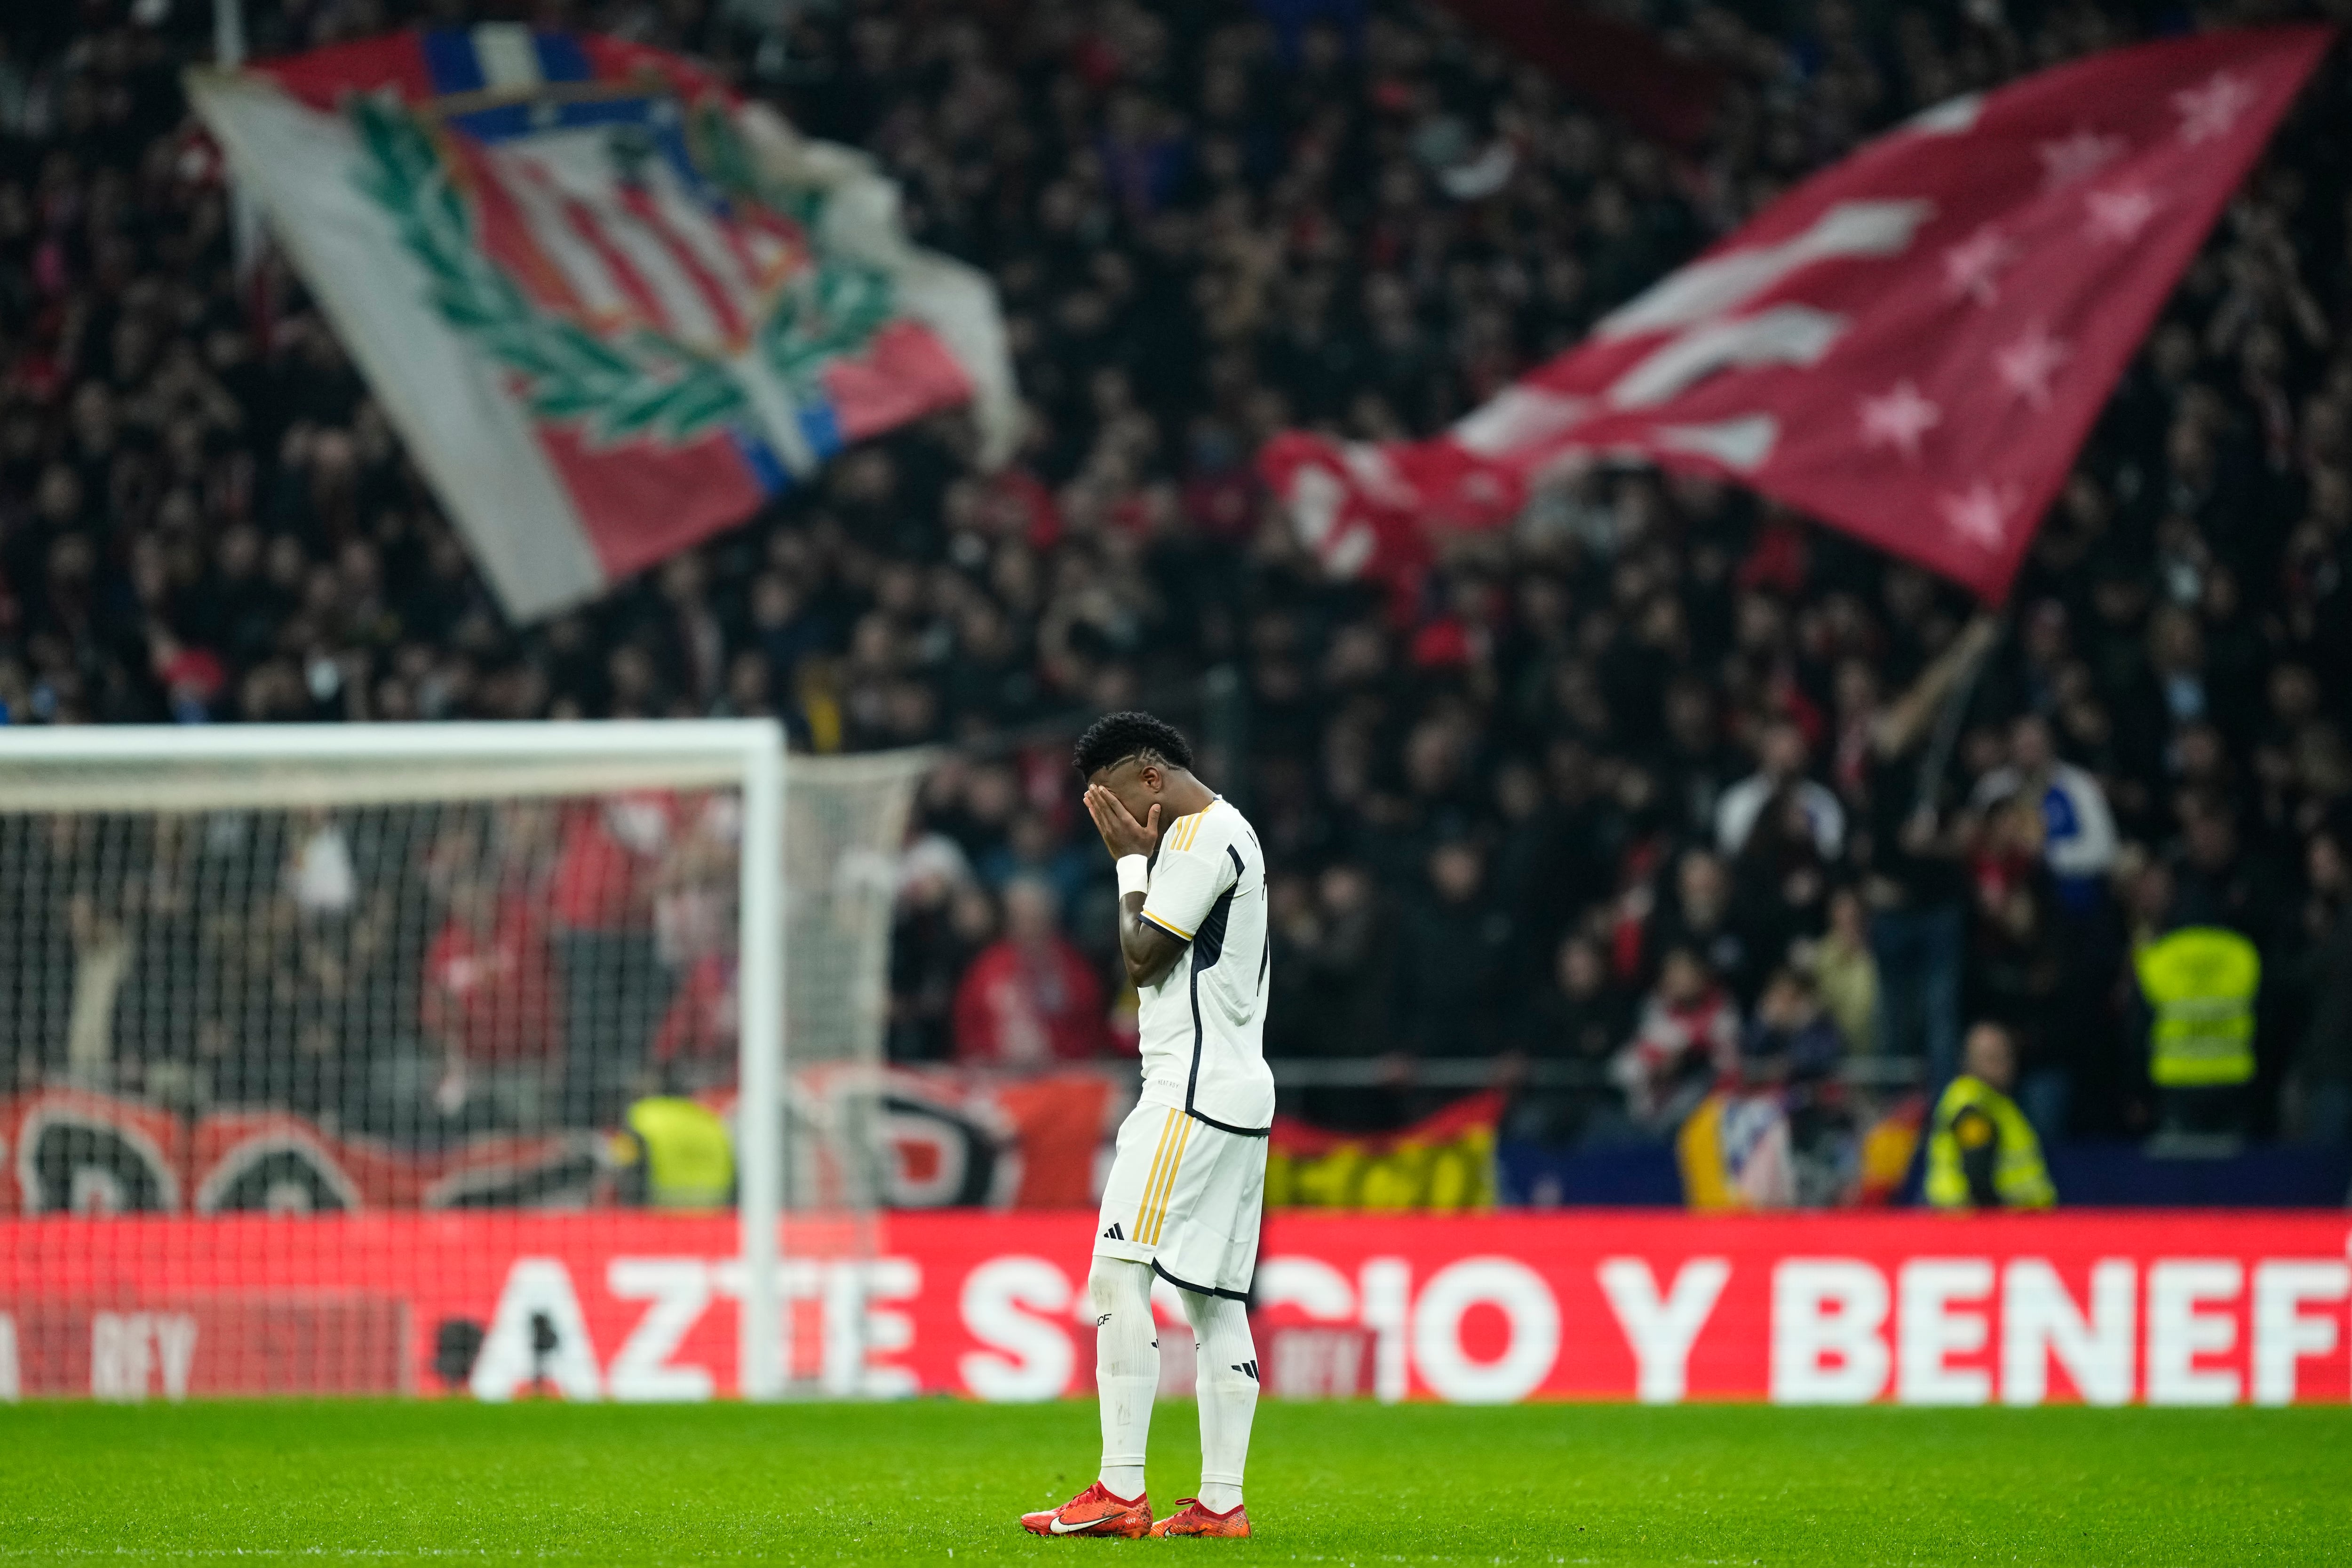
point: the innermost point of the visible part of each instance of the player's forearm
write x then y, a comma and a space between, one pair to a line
1149, 952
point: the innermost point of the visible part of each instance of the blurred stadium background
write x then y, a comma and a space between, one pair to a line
1656, 849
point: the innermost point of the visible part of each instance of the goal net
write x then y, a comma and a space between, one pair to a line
504, 1058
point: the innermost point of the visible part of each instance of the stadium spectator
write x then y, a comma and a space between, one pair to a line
1031, 848
1336, 942
1981, 1152
2198, 985
2216, 880
2017, 952
2079, 833
1687, 1041
491, 1004
1700, 917
1029, 998
1582, 1016
1790, 1036
1789, 1057
1452, 958
1846, 975
1918, 935
942, 919
1577, 1022
695, 1045
1779, 894
674, 1155
600, 901
1780, 756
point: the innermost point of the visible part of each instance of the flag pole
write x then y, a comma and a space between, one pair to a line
1946, 733
244, 217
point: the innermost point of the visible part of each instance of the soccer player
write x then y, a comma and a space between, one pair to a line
1189, 1176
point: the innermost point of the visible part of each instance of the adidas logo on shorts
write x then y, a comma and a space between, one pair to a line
1113, 1233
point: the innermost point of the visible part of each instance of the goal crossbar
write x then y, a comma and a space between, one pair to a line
165, 767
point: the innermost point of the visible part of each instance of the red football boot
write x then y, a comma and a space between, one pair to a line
1191, 1519
1095, 1512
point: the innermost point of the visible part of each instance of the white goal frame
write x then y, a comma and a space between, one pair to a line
168, 768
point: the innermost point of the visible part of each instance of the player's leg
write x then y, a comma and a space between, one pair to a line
1126, 1368
1227, 1381
1127, 1374
1127, 1343
1208, 1251
1126, 1340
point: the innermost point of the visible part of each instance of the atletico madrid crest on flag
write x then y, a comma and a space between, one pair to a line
611, 307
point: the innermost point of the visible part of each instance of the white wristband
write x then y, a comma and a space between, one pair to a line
1134, 875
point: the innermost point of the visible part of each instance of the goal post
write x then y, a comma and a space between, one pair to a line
442, 965
759, 1062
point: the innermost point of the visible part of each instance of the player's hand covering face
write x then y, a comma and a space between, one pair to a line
1121, 833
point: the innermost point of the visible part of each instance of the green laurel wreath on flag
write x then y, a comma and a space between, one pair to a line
842, 305
643, 384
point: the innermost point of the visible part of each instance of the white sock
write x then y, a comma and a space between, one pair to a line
1227, 1382
1126, 1369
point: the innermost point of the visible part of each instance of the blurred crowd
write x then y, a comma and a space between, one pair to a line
426, 973
1662, 787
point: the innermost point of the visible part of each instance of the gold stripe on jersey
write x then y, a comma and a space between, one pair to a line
1168, 926
1159, 1158
1158, 1219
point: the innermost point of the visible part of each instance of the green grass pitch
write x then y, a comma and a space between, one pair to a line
939, 1482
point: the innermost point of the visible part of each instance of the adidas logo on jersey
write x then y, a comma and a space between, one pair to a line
1247, 1369
1113, 1233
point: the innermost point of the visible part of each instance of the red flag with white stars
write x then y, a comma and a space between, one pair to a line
1910, 346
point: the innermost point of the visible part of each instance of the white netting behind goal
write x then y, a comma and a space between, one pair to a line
845, 821
311, 1061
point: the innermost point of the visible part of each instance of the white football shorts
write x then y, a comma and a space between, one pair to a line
1184, 1198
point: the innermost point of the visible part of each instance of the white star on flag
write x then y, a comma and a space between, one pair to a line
2026, 365
1970, 266
1979, 513
1898, 418
2119, 215
2212, 109
2078, 157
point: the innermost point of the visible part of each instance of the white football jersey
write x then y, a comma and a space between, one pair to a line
1203, 1024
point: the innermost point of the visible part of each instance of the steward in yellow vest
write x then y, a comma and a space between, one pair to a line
1981, 1152
675, 1154
2200, 984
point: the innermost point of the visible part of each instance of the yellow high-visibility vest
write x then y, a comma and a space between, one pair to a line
1971, 1111
689, 1159
2200, 982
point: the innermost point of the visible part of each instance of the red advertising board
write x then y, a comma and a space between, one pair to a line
2161, 1308
954, 1139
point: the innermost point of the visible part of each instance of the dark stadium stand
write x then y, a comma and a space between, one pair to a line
1612, 783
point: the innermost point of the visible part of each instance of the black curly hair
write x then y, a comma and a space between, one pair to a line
1115, 737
